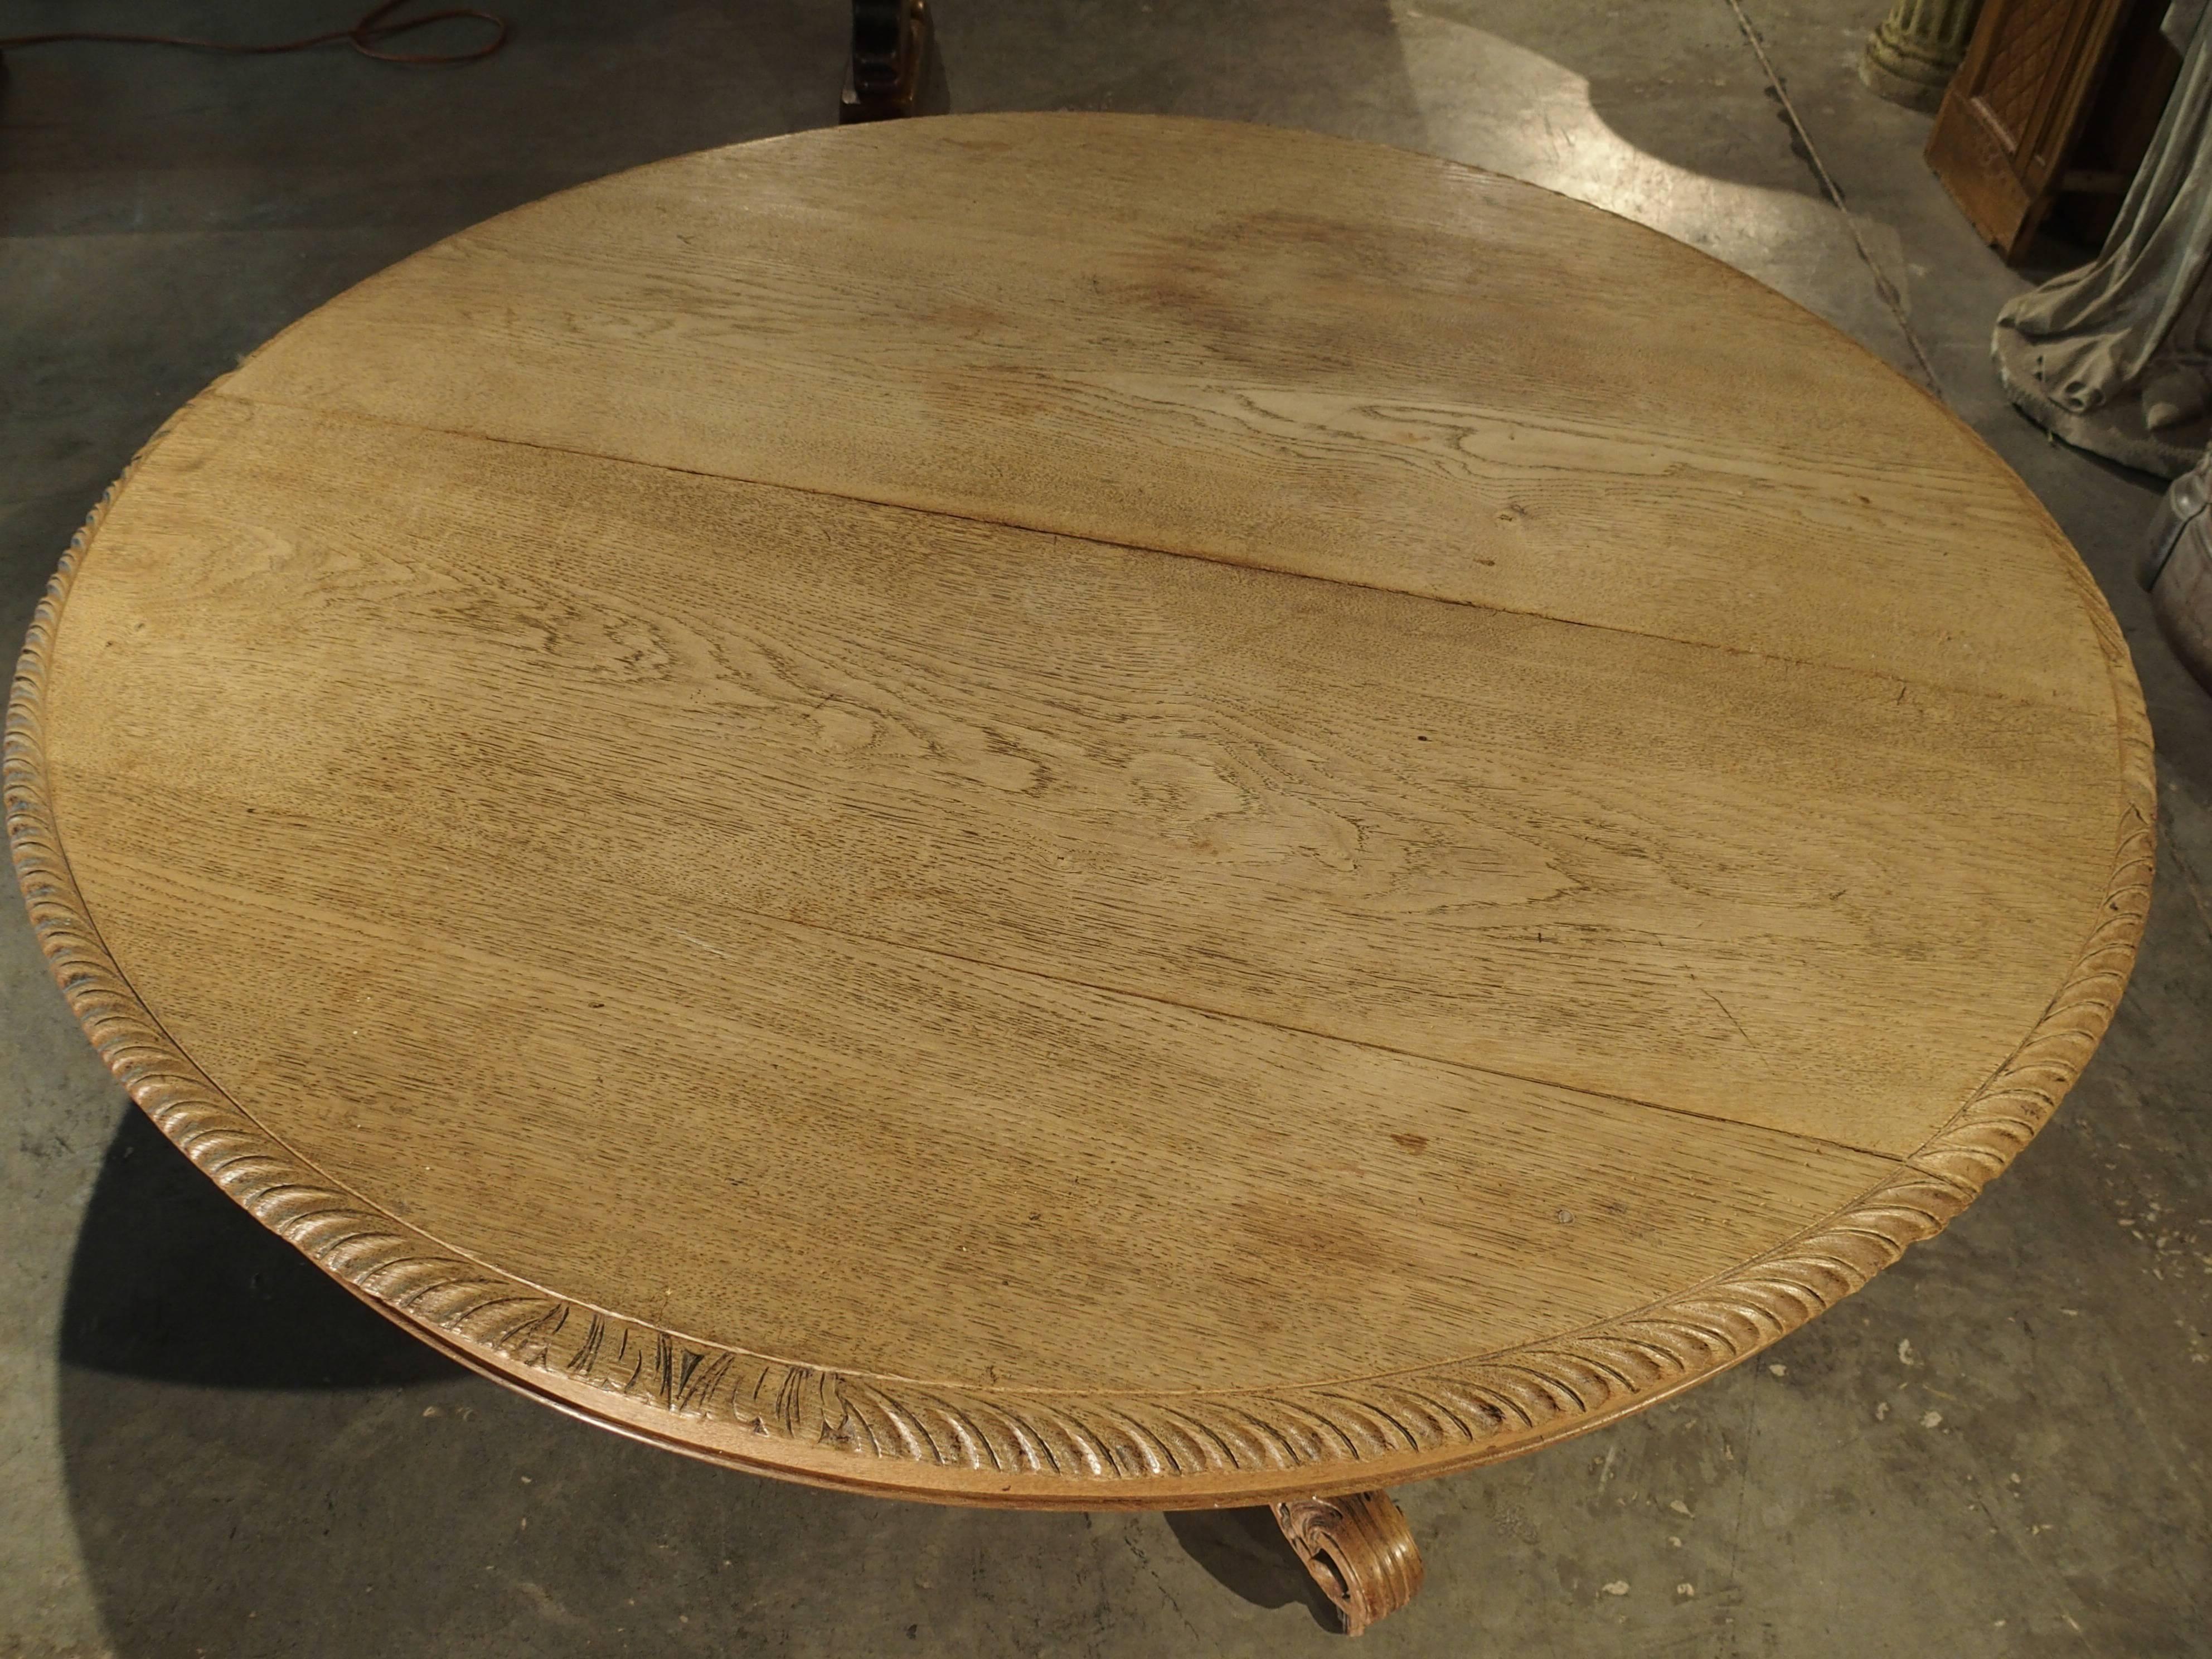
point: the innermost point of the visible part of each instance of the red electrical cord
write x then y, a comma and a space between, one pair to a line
363, 37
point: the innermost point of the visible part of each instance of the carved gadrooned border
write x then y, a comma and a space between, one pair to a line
1326, 1436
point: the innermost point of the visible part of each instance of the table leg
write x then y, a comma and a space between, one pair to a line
1359, 1550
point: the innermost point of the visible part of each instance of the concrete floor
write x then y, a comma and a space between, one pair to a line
1999, 1448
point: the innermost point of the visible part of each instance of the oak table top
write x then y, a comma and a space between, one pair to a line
1082, 811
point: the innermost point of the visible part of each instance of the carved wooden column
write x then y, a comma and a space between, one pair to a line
1910, 59
1359, 1550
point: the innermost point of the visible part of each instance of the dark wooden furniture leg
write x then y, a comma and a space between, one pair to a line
1359, 1550
892, 44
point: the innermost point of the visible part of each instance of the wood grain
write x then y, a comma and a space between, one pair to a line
1269, 348
1617, 863
878, 986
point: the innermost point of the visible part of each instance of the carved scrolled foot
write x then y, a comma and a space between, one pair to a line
1359, 1550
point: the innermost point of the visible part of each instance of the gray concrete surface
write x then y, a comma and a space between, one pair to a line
1999, 1448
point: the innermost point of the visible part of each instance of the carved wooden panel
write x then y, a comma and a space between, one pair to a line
2010, 120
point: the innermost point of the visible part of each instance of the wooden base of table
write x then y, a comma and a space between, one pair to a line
1359, 1550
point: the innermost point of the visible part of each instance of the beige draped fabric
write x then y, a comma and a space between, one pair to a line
2116, 357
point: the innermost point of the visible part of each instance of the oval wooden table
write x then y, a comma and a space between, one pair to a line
1084, 811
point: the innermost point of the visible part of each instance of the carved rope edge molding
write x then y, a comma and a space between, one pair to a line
1456, 1407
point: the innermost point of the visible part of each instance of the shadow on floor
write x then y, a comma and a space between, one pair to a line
1245, 1552
173, 1281
259, 1463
